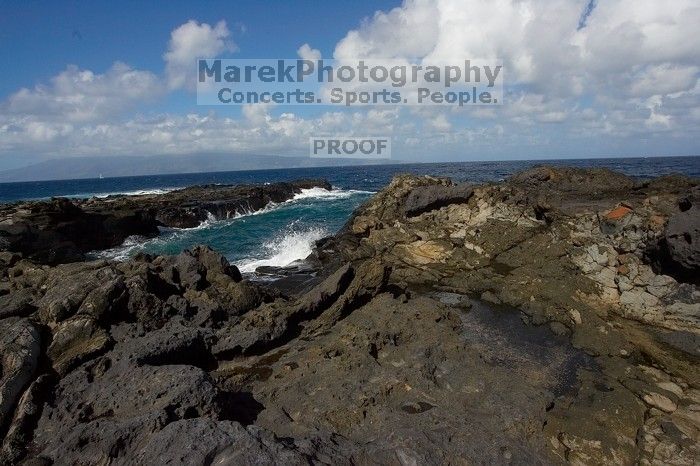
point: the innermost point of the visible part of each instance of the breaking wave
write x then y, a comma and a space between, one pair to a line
293, 246
277, 235
320, 193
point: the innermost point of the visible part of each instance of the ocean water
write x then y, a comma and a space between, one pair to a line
283, 233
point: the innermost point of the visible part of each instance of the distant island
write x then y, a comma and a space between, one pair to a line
113, 166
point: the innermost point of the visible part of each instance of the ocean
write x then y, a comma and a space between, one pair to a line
283, 233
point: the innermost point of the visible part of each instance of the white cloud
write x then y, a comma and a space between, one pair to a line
628, 49
663, 80
406, 31
80, 95
189, 42
630, 73
258, 131
305, 52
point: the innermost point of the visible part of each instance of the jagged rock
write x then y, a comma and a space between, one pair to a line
177, 306
208, 312
20, 347
67, 286
660, 401
104, 300
683, 236
237, 298
427, 198
182, 270
215, 264
144, 306
258, 328
174, 343
8, 259
75, 341
369, 279
328, 291
202, 366
329, 301
199, 441
60, 231
25, 274
18, 303
105, 412
20, 431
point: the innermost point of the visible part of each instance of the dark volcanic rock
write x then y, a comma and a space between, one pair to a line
589, 182
682, 236
68, 286
174, 343
105, 300
202, 441
216, 265
18, 303
426, 198
63, 230
20, 431
20, 347
60, 231
105, 414
376, 352
280, 321
76, 340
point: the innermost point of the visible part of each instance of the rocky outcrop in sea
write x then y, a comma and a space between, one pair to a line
550, 318
63, 230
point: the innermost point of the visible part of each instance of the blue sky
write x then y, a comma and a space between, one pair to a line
39, 39
93, 78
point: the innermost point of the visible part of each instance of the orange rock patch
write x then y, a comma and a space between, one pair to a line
618, 213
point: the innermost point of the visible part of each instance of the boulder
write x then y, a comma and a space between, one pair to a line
215, 264
104, 300
142, 305
75, 341
20, 347
237, 298
426, 198
68, 285
18, 303
190, 271
20, 431
172, 344
682, 236
104, 413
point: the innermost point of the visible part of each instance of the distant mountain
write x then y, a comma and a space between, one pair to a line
94, 167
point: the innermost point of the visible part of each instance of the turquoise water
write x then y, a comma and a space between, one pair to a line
283, 233
278, 235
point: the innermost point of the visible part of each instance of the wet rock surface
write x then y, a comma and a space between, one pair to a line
542, 320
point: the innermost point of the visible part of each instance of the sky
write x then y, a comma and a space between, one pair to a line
583, 78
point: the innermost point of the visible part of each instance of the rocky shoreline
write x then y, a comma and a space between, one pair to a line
63, 230
550, 318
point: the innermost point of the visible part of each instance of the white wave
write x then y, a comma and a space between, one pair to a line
248, 212
139, 192
311, 193
128, 248
321, 193
280, 252
294, 245
210, 221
